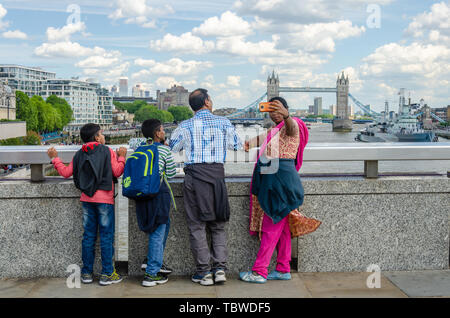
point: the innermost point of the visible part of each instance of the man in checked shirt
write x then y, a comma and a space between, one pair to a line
205, 139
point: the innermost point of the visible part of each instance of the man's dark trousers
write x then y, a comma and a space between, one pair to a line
196, 219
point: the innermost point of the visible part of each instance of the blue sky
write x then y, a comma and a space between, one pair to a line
229, 47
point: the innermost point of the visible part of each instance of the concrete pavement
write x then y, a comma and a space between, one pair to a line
302, 285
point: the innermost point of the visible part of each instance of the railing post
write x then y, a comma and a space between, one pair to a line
37, 172
371, 169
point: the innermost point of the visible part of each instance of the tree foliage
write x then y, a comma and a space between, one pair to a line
26, 111
32, 138
41, 115
180, 113
131, 108
63, 108
147, 112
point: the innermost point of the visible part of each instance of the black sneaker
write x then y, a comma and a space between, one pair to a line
87, 278
114, 278
150, 281
166, 270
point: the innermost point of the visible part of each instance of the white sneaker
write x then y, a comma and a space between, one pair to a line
219, 276
205, 280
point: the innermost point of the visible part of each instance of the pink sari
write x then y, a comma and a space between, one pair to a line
303, 135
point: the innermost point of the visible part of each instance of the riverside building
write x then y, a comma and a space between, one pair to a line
7, 102
90, 103
26, 79
174, 96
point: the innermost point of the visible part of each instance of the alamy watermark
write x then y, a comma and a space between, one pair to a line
374, 279
74, 279
374, 19
75, 17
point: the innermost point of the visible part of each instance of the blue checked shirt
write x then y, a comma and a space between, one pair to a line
205, 138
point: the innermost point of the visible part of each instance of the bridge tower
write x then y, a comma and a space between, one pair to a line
273, 86
342, 122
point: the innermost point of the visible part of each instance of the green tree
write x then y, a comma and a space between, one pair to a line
47, 115
147, 112
324, 116
131, 108
180, 113
32, 138
63, 108
26, 111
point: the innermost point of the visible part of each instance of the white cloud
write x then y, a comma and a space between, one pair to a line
65, 49
387, 90
177, 67
233, 80
318, 37
166, 81
100, 61
258, 85
229, 24
59, 44
238, 46
140, 12
420, 68
63, 34
117, 71
109, 75
144, 63
3, 12
234, 94
185, 43
433, 26
208, 83
421, 60
303, 12
15, 35
141, 74
228, 98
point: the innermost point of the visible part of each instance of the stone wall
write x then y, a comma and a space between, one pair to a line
41, 228
398, 223
13, 129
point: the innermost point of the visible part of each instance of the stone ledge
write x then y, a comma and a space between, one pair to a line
55, 187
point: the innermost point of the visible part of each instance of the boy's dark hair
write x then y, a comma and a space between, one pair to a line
281, 100
197, 98
150, 127
89, 131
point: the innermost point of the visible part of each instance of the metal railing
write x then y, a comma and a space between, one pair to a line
370, 153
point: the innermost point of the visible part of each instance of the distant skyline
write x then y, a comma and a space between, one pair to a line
230, 47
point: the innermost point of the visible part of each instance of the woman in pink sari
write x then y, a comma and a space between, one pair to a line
275, 194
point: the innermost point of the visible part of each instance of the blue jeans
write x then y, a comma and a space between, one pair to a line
156, 245
98, 216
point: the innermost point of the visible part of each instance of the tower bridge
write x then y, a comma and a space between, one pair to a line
342, 121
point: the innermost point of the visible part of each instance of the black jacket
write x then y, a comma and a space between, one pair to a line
92, 169
210, 191
153, 212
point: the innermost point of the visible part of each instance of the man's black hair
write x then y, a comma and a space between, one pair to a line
198, 98
281, 100
150, 127
89, 131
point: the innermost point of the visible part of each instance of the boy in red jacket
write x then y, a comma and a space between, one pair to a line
93, 168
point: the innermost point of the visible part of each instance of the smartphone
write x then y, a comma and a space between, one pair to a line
265, 107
